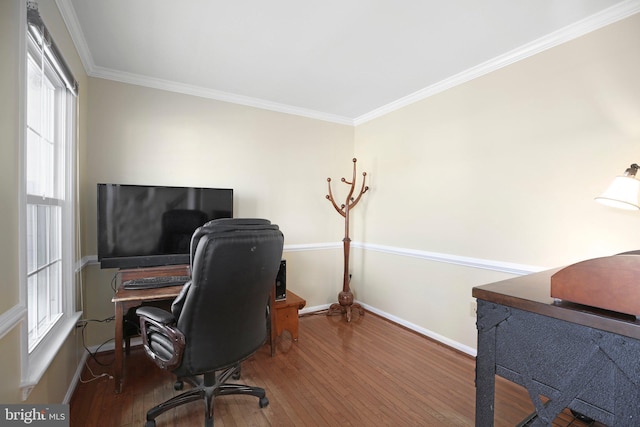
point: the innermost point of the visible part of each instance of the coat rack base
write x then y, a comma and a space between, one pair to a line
345, 305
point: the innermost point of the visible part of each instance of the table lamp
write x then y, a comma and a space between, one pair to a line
623, 191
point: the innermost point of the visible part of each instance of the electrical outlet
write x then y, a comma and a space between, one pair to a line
473, 309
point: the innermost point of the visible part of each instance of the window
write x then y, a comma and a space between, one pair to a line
45, 174
48, 199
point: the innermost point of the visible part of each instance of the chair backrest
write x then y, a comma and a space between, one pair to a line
233, 271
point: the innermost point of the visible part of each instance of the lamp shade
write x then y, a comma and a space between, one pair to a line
622, 193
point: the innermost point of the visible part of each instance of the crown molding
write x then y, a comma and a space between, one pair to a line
75, 30
139, 80
594, 22
77, 36
580, 28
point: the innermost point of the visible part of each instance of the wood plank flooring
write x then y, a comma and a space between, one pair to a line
370, 372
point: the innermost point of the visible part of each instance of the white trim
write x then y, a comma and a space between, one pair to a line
485, 264
411, 326
187, 89
85, 261
12, 318
75, 30
76, 378
594, 22
22, 199
40, 359
22, 120
422, 331
311, 247
310, 310
35, 364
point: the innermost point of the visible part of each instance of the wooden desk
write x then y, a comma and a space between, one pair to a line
579, 357
125, 299
284, 315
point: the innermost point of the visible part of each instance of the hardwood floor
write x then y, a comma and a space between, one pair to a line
367, 373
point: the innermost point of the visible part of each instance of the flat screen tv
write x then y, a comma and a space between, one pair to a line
147, 226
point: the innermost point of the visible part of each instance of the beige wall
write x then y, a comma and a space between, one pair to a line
276, 163
55, 382
503, 168
9, 166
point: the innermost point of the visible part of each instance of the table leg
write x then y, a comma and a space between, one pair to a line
119, 313
488, 317
485, 378
272, 323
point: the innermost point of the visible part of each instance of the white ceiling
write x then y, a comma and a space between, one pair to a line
339, 60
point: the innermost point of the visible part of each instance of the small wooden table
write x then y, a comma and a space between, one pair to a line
286, 315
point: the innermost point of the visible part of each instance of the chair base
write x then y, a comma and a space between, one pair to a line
210, 386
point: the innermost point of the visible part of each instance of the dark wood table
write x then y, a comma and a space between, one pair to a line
284, 315
577, 357
125, 299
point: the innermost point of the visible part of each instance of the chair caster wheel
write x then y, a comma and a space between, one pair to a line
178, 385
150, 423
264, 402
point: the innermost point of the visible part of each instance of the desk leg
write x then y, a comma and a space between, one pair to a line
485, 378
119, 309
272, 322
488, 318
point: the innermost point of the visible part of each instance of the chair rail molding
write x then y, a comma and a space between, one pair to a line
485, 264
12, 318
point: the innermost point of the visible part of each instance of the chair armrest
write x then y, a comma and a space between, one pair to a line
156, 314
163, 342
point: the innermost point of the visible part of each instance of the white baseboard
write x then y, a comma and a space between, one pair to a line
308, 310
423, 331
76, 378
411, 326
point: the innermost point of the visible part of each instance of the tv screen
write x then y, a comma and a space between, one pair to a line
147, 226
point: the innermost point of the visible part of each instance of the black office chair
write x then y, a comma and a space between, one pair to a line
220, 318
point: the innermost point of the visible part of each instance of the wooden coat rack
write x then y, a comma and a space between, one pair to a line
345, 303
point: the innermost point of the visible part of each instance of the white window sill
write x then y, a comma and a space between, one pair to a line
39, 360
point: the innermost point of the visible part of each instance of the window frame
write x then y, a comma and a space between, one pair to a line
56, 198
35, 361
